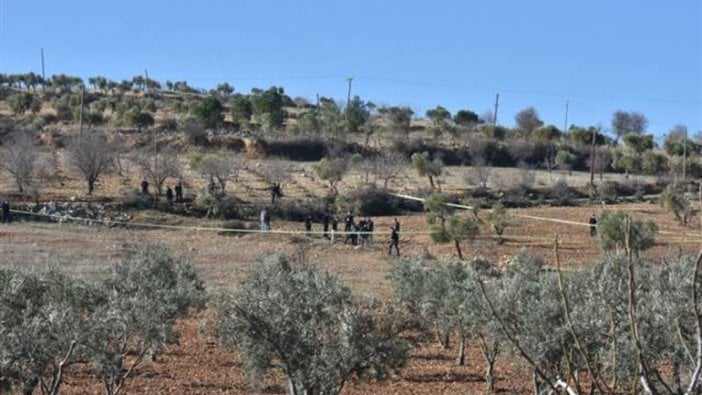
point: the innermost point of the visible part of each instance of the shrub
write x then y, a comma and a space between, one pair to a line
611, 232
310, 324
292, 210
608, 191
134, 199
561, 193
369, 200
299, 149
674, 199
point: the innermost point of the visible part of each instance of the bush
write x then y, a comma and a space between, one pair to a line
293, 210
561, 193
216, 206
369, 200
134, 199
311, 325
608, 191
194, 131
299, 149
611, 232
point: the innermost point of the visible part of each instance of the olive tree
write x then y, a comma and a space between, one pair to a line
143, 296
447, 226
499, 220
308, 323
427, 167
42, 321
613, 228
674, 199
332, 170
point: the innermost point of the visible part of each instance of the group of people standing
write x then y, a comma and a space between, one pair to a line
170, 195
355, 233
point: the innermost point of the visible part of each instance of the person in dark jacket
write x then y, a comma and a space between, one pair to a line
394, 238
593, 225
334, 226
179, 192
308, 223
349, 226
325, 224
5, 212
169, 196
145, 187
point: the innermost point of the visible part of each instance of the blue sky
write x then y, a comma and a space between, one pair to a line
601, 55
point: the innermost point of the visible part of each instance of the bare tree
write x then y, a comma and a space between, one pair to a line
92, 155
158, 166
479, 173
527, 120
388, 166
624, 123
218, 168
18, 157
274, 171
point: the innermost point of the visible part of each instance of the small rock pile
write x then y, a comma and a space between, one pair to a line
82, 213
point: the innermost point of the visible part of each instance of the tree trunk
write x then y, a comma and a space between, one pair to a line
91, 187
461, 359
458, 249
431, 182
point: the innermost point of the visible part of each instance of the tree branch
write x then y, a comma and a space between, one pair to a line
571, 327
698, 319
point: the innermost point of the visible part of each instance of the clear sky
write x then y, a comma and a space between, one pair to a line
601, 55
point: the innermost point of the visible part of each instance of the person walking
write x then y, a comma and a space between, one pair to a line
179, 192
169, 196
265, 221
5, 212
593, 225
394, 238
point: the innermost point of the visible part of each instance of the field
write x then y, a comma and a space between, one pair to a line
197, 364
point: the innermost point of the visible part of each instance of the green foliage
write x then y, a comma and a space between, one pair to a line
308, 322
612, 232
608, 191
653, 163
675, 201
548, 132
565, 160
639, 143
22, 102
332, 170
582, 135
466, 118
499, 220
397, 119
268, 106
208, 111
357, 114
241, 110
427, 167
144, 295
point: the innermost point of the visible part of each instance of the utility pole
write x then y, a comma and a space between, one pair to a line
43, 74
565, 124
592, 156
497, 101
684, 175
80, 113
348, 94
